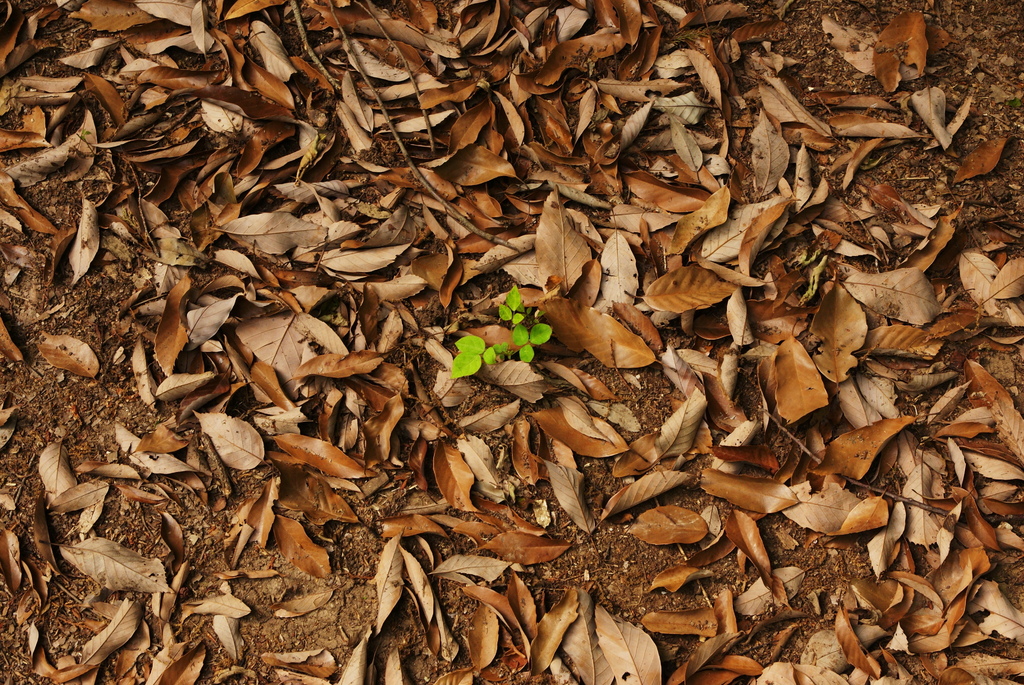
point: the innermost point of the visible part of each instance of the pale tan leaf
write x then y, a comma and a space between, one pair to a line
581, 643
55, 470
237, 443
228, 631
778, 101
272, 51
724, 243
824, 511
861, 126
71, 354
488, 568
519, 378
904, 294
355, 670
120, 629
1003, 617
389, 580
618, 265
842, 326
87, 241
930, 105
300, 606
115, 567
79, 497
275, 232
770, 155
217, 605
631, 653
1010, 281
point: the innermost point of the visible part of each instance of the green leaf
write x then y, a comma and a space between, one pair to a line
501, 349
540, 334
518, 318
466, 364
514, 300
520, 335
504, 313
490, 356
526, 354
471, 344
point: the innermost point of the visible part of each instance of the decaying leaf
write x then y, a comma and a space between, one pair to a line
584, 328
71, 354
982, 160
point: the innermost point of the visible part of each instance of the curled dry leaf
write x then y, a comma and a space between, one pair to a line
71, 354
340, 365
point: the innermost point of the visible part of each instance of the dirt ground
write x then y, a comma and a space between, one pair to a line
985, 59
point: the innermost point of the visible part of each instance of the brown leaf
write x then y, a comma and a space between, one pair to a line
762, 495
321, 455
744, 533
770, 155
567, 485
10, 559
983, 160
237, 443
558, 424
903, 40
669, 525
714, 213
904, 294
798, 387
172, 334
649, 486
861, 126
692, 622
243, 7
578, 51
454, 477
70, 354
551, 630
7, 347
482, 637
526, 549
842, 326
687, 288
474, 165
853, 453
675, 577
583, 328
340, 365
115, 567
299, 549
852, 647
561, 249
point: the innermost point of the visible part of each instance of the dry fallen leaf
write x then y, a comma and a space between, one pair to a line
982, 160
71, 354
115, 567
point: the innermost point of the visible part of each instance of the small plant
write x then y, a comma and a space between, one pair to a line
527, 331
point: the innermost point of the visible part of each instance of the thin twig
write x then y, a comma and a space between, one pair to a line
452, 210
408, 67
297, 11
859, 483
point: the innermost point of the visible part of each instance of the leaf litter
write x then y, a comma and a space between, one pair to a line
748, 320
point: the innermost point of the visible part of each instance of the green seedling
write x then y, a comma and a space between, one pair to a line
527, 331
